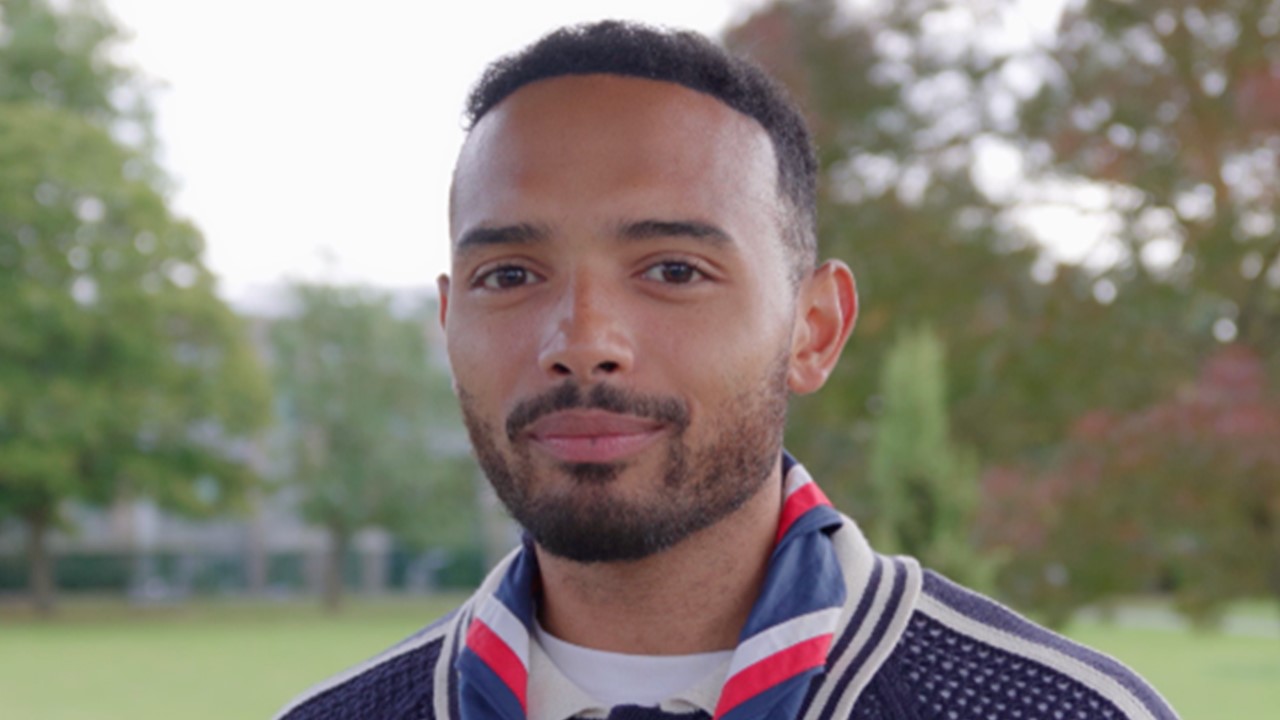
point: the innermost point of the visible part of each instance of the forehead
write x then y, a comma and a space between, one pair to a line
624, 136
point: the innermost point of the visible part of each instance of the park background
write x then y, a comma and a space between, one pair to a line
230, 463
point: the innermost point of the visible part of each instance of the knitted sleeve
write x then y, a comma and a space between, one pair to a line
965, 657
399, 687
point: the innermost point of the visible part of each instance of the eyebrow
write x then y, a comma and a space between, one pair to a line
652, 229
521, 234
529, 233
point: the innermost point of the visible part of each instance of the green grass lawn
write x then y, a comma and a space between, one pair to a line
1204, 675
104, 661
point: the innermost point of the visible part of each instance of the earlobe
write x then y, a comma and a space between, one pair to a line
442, 286
827, 310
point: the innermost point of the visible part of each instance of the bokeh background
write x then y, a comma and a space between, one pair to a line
230, 461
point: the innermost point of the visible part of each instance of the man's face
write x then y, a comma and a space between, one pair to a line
619, 317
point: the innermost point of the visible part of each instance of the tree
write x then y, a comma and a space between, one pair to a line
61, 57
898, 115
924, 487
1181, 496
1173, 110
121, 372
368, 421
1167, 113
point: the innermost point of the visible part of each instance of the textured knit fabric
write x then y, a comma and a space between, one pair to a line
906, 644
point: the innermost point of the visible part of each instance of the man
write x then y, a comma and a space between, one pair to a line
633, 296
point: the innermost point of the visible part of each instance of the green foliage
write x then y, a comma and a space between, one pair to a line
925, 488
1170, 114
896, 117
368, 419
1176, 110
121, 372
121, 368
60, 58
60, 55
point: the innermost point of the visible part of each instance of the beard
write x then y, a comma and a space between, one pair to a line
586, 521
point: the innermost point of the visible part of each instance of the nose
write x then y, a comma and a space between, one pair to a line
586, 336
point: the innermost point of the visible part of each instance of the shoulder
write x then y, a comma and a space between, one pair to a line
977, 658
415, 678
385, 686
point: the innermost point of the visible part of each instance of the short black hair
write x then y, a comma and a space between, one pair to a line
685, 58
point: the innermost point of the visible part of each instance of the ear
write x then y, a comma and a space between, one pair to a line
442, 286
825, 313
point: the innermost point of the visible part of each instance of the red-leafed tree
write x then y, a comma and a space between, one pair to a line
1181, 496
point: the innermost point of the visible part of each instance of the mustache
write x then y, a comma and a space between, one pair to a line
570, 396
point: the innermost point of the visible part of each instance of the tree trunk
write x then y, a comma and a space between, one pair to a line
1273, 577
256, 553
334, 561
40, 562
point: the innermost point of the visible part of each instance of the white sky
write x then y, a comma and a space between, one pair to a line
314, 138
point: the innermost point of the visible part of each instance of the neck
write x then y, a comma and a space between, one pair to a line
693, 597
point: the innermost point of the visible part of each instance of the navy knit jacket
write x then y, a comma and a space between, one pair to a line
908, 645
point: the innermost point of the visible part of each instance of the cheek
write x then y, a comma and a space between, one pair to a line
733, 334
487, 360
712, 358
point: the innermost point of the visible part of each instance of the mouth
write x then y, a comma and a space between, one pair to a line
593, 436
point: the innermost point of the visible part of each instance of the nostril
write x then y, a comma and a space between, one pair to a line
561, 369
608, 366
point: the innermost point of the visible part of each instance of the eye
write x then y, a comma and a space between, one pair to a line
505, 277
674, 272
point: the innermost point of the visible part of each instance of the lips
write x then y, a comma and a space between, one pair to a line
593, 436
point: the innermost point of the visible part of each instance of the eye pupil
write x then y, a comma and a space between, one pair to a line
677, 272
509, 277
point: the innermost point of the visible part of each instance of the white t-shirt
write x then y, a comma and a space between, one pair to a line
567, 680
